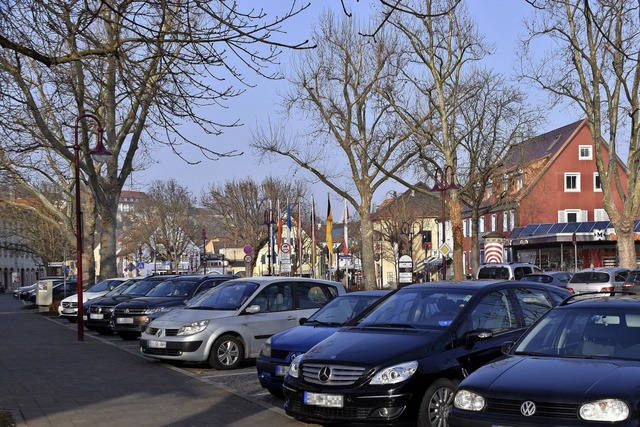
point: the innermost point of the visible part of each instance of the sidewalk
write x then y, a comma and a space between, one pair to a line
48, 378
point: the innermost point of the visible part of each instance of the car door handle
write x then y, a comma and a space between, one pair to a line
291, 318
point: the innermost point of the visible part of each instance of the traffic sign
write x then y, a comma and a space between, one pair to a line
140, 265
248, 259
286, 248
248, 249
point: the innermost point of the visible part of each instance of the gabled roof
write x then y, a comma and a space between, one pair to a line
426, 204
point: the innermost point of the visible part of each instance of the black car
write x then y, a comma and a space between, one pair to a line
98, 312
579, 365
130, 318
98, 322
401, 363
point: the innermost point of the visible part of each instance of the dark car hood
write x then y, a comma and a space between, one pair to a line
565, 377
301, 338
150, 302
376, 346
109, 301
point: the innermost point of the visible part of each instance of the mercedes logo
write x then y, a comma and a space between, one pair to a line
99, 310
528, 408
325, 374
126, 311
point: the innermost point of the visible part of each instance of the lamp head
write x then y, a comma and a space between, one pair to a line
100, 153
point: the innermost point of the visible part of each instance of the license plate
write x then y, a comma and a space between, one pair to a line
156, 344
322, 399
124, 320
68, 310
281, 371
97, 316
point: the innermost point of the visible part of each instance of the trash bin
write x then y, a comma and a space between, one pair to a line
44, 294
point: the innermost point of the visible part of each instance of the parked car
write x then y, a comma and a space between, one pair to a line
401, 362
598, 279
510, 271
68, 307
555, 278
61, 289
99, 311
230, 322
579, 365
632, 281
130, 317
278, 351
22, 292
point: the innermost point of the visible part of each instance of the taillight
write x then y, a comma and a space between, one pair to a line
628, 285
571, 290
607, 289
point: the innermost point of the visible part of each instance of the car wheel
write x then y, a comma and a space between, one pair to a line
277, 392
436, 404
226, 353
128, 336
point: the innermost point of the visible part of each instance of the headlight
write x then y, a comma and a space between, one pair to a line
395, 374
153, 310
266, 348
193, 328
610, 410
468, 401
294, 368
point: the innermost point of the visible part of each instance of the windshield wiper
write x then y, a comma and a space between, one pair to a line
389, 325
532, 353
319, 322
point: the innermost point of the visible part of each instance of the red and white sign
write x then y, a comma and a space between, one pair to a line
248, 259
286, 248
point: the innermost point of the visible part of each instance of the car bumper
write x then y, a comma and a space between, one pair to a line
271, 371
129, 323
191, 348
360, 407
458, 418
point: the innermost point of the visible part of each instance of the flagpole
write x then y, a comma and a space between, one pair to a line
313, 237
299, 231
346, 240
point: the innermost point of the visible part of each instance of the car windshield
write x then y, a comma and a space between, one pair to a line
340, 310
226, 296
584, 334
419, 308
174, 288
494, 273
105, 285
633, 277
142, 287
590, 277
538, 278
120, 288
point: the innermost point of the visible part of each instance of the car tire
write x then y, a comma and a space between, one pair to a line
436, 404
277, 392
226, 353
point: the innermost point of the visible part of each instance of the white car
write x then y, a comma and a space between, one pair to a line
68, 307
229, 323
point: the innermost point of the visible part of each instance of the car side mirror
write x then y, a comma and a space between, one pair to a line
252, 309
478, 335
506, 347
302, 321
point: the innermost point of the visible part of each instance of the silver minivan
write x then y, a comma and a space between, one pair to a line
599, 279
229, 323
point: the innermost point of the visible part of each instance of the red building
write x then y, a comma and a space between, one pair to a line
546, 201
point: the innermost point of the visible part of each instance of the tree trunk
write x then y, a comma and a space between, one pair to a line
368, 264
455, 217
108, 213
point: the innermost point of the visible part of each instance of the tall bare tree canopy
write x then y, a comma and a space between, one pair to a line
145, 67
338, 87
594, 65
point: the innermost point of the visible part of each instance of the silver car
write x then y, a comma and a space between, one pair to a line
599, 279
230, 322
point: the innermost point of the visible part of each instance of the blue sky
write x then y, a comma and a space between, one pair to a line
499, 20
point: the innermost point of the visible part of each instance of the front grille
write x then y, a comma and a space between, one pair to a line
339, 375
69, 305
162, 351
100, 308
280, 354
130, 311
167, 332
329, 413
543, 409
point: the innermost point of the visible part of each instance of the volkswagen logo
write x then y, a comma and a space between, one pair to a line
528, 408
126, 311
99, 310
325, 374
159, 333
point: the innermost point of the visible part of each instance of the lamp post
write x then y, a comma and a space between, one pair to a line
99, 153
268, 221
444, 184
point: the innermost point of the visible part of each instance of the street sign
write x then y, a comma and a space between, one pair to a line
405, 277
405, 261
140, 265
248, 259
445, 249
248, 249
286, 248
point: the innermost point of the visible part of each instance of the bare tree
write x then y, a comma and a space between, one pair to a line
140, 66
241, 207
338, 88
594, 66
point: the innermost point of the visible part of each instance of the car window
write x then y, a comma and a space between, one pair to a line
633, 277
314, 295
494, 273
621, 276
173, 288
534, 303
495, 312
590, 277
519, 272
226, 296
273, 298
538, 278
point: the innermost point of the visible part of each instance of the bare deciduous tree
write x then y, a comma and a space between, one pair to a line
594, 65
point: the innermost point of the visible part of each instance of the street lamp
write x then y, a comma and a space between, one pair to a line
99, 153
442, 184
268, 221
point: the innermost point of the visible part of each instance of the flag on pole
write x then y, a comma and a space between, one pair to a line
313, 237
346, 228
329, 237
